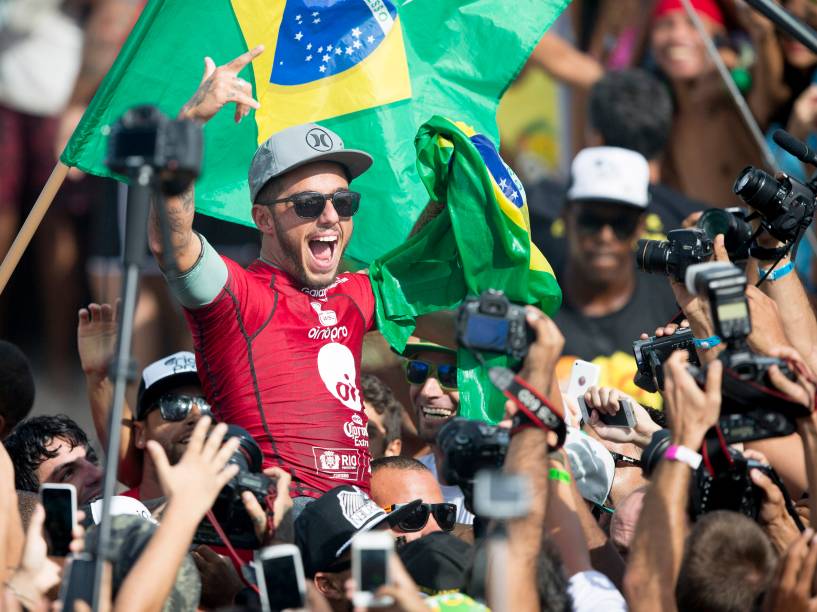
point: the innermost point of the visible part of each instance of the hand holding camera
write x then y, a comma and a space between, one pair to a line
692, 411
202, 471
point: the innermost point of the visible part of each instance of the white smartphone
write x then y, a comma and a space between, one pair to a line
60, 504
370, 567
280, 576
583, 375
498, 495
623, 418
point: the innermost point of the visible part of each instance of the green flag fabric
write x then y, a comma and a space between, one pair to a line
371, 70
480, 240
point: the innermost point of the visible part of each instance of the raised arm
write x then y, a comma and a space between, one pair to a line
658, 547
219, 86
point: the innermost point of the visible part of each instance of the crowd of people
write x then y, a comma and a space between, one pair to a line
272, 417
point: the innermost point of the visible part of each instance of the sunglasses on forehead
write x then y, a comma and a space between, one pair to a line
311, 204
175, 407
418, 371
623, 224
445, 515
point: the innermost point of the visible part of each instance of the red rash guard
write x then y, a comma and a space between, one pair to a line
283, 361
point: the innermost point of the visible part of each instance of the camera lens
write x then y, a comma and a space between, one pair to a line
651, 256
736, 232
757, 188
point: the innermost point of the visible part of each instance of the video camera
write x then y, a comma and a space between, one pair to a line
492, 323
729, 488
747, 395
228, 508
469, 446
146, 137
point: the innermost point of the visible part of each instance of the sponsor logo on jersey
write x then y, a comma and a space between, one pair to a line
336, 367
356, 430
321, 294
329, 328
337, 463
327, 318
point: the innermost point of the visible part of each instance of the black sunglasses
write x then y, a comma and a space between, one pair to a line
445, 515
625, 461
174, 407
418, 371
310, 204
623, 225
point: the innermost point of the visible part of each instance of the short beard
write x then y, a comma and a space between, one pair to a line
292, 265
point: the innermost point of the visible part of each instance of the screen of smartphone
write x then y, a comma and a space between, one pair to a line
281, 579
372, 569
59, 519
620, 418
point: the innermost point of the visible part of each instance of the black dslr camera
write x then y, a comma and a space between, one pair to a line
681, 249
736, 229
785, 205
146, 137
492, 323
470, 446
229, 508
650, 355
729, 488
747, 398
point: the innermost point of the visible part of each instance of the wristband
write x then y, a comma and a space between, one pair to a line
765, 253
707, 343
683, 455
772, 275
560, 475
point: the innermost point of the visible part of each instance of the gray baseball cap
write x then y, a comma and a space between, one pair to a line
300, 145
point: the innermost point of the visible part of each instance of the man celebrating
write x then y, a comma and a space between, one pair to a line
278, 345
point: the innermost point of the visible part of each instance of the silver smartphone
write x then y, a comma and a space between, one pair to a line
623, 418
370, 567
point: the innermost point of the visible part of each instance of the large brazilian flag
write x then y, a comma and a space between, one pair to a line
371, 70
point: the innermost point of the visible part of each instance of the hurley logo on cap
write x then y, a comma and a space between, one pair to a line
183, 362
356, 507
319, 139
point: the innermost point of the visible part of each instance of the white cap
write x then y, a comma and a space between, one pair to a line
592, 465
121, 504
610, 174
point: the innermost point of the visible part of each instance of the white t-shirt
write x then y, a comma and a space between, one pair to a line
451, 494
592, 591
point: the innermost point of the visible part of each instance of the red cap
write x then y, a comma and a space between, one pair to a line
708, 8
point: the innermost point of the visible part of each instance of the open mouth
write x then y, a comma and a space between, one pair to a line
432, 413
322, 249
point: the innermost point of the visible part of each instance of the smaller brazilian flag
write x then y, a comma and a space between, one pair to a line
481, 240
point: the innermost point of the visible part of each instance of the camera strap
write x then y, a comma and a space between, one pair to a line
767, 254
536, 408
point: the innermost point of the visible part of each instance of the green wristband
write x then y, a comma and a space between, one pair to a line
557, 474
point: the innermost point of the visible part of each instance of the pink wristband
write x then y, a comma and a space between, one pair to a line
683, 455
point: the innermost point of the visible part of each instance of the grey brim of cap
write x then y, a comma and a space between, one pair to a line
392, 518
355, 162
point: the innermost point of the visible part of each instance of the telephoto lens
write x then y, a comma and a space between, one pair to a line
759, 189
731, 222
651, 256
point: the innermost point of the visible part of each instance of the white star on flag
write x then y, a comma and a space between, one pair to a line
299, 36
308, 58
329, 48
357, 44
514, 195
309, 47
322, 68
502, 184
320, 49
317, 20
297, 17
348, 50
338, 50
325, 57
315, 14
356, 32
370, 39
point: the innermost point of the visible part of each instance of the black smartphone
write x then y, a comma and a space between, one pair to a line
60, 504
623, 418
78, 581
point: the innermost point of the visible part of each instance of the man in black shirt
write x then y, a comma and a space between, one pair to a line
628, 109
607, 304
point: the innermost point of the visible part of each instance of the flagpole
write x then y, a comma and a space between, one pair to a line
32, 222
